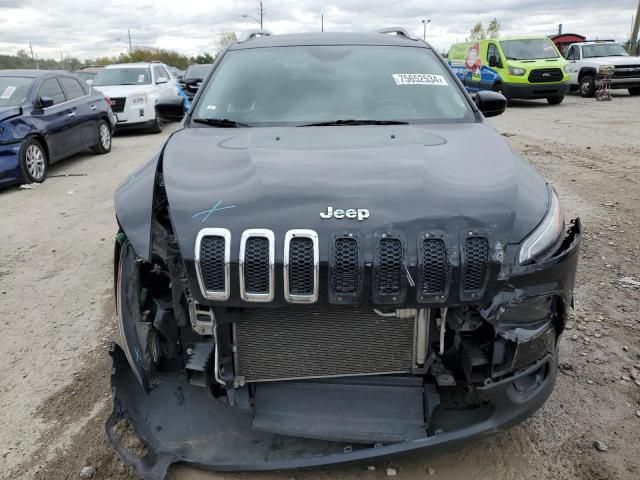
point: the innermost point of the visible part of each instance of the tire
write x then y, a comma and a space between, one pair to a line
634, 91
33, 161
555, 100
587, 86
157, 125
104, 139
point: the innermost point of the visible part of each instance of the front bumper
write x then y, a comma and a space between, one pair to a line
182, 423
141, 115
532, 91
619, 83
9, 164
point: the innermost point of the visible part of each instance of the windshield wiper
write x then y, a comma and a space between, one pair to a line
353, 122
220, 122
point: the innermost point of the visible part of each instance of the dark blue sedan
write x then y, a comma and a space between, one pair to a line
46, 116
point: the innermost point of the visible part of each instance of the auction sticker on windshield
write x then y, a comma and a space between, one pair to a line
418, 79
7, 92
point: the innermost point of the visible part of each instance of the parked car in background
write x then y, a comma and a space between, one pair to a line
591, 62
193, 77
176, 72
518, 67
134, 89
335, 257
46, 116
88, 73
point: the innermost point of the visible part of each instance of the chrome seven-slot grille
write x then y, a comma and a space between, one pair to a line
301, 266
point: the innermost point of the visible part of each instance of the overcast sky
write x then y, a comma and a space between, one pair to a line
91, 28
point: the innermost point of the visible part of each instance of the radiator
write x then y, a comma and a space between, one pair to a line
315, 342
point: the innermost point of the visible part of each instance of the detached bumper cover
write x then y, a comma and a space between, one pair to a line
181, 423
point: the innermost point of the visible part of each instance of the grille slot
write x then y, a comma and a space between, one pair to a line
117, 104
295, 342
476, 256
544, 75
434, 266
256, 265
345, 270
301, 266
212, 263
390, 269
212, 252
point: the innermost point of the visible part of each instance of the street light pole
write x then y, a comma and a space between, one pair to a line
424, 26
130, 45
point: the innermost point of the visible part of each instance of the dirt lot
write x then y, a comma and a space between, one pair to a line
57, 314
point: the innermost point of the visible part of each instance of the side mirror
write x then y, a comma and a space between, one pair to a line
171, 108
162, 80
44, 102
491, 104
180, 76
493, 61
89, 82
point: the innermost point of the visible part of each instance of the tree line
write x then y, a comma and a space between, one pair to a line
22, 59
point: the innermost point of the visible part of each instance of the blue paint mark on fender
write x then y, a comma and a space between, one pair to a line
205, 214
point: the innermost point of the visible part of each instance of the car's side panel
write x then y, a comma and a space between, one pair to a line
85, 119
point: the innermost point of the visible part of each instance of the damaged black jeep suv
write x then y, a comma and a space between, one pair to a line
335, 257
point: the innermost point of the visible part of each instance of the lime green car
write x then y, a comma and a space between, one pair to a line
518, 67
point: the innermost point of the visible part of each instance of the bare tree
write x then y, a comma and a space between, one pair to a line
493, 30
225, 39
477, 32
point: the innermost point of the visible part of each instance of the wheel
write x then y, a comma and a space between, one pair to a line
634, 91
157, 125
104, 138
587, 86
555, 100
33, 161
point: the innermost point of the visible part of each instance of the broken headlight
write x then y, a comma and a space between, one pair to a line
546, 235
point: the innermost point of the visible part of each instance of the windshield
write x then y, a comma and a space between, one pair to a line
14, 90
604, 50
197, 71
312, 84
529, 49
123, 76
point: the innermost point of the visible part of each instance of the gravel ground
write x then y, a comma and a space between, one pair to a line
57, 314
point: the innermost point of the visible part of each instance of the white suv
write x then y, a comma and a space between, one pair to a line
134, 89
590, 62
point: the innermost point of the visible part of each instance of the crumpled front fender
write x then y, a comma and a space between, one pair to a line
134, 205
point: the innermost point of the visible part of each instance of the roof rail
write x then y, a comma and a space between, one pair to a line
253, 34
398, 31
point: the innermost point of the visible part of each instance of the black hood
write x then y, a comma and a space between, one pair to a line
450, 177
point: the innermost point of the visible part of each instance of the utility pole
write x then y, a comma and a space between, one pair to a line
559, 29
633, 43
130, 46
322, 22
261, 14
33, 57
